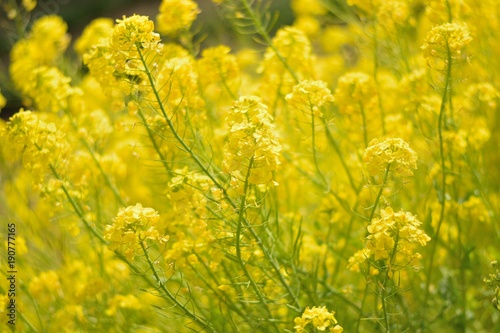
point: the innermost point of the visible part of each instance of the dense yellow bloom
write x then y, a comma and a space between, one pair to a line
40, 143
353, 90
132, 226
294, 51
394, 153
219, 72
132, 39
49, 90
46, 42
176, 16
95, 33
393, 235
320, 318
132, 32
46, 287
394, 14
29, 5
310, 96
49, 34
308, 7
446, 40
123, 302
252, 142
177, 81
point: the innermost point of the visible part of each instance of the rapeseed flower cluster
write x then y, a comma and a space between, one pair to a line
391, 154
131, 227
319, 318
345, 161
252, 151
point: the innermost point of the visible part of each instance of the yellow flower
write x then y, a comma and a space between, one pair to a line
395, 234
393, 14
122, 302
310, 95
95, 33
252, 142
45, 43
176, 16
394, 153
41, 144
319, 317
295, 50
131, 226
449, 39
29, 5
49, 89
219, 71
354, 89
133, 31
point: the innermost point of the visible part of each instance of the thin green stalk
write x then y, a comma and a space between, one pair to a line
365, 133
379, 194
198, 320
384, 283
442, 195
198, 161
363, 301
171, 126
263, 33
153, 141
239, 257
374, 208
315, 155
335, 146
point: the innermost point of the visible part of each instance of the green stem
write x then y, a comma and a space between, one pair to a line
171, 126
239, 257
205, 170
315, 155
379, 194
137, 271
384, 283
442, 195
335, 146
198, 320
153, 141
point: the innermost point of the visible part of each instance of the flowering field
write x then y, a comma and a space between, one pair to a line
336, 175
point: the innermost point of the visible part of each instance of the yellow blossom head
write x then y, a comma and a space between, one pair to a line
252, 146
395, 233
176, 16
95, 33
352, 89
310, 95
446, 42
133, 31
393, 153
131, 226
319, 317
